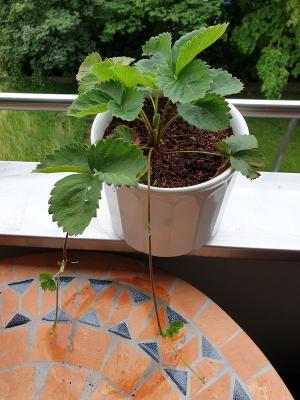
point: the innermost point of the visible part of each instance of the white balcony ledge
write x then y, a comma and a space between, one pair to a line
260, 215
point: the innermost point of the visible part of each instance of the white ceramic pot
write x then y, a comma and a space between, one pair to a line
182, 219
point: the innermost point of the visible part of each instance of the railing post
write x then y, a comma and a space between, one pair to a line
284, 144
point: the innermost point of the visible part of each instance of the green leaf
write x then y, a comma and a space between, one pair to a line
113, 90
173, 329
198, 42
130, 105
117, 162
182, 40
224, 83
160, 46
70, 158
88, 82
237, 143
122, 60
210, 113
89, 103
103, 71
131, 76
243, 154
85, 67
148, 64
74, 202
244, 166
191, 84
123, 133
47, 281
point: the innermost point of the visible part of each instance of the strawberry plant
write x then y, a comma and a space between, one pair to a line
120, 86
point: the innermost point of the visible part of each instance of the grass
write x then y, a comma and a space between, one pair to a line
31, 135
269, 132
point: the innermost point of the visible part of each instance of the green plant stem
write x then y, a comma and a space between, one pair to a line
200, 376
153, 104
156, 102
150, 265
57, 278
196, 151
56, 308
146, 122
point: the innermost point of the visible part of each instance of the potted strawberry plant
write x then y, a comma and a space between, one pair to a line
164, 118
165, 147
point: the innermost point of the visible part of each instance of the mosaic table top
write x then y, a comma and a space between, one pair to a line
106, 344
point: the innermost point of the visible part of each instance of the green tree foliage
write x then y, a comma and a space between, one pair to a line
45, 36
271, 30
51, 37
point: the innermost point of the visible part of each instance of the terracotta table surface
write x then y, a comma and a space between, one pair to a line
106, 344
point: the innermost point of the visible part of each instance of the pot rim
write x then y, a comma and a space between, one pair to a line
200, 186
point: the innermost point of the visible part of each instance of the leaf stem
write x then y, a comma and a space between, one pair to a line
57, 278
209, 153
156, 102
150, 265
56, 307
200, 376
153, 104
146, 122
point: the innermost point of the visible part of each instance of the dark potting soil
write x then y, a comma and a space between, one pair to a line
171, 170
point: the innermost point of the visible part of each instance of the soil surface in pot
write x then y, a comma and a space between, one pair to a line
172, 170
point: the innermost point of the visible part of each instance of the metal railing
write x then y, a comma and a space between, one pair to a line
248, 107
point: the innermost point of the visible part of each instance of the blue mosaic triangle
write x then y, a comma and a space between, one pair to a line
179, 378
65, 280
21, 286
174, 316
151, 349
239, 392
121, 330
138, 297
90, 318
208, 350
61, 316
98, 285
17, 320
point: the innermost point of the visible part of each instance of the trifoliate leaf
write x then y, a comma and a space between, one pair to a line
224, 83
70, 158
117, 162
191, 84
85, 67
47, 281
74, 202
198, 42
160, 46
123, 133
210, 113
89, 103
240, 142
129, 106
173, 329
242, 153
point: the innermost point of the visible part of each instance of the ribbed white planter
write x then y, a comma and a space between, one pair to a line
182, 219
